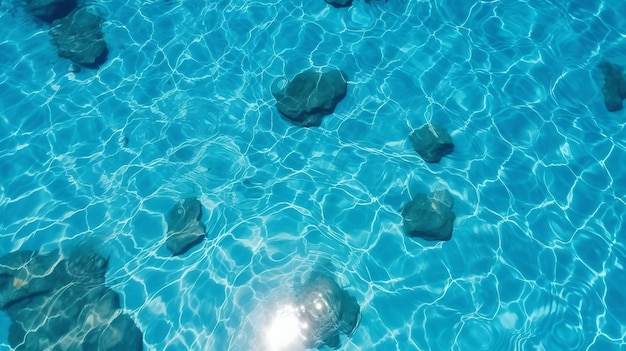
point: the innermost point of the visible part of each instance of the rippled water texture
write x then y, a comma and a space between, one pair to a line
183, 108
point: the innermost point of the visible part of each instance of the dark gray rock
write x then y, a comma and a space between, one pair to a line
184, 229
87, 268
79, 38
24, 274
614, 88
327, 310
339, 3
310, 96
54, 301
432, 142
429, 216
50, 10
120, 334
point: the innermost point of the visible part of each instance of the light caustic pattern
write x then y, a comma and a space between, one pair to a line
183, 107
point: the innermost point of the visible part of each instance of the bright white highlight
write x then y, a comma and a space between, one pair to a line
283, 332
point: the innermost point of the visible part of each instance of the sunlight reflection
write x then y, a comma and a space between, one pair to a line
285, 330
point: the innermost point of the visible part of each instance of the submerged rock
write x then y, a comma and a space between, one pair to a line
50, 10
79, 38
339, 3
184, 229
429, 216
432, 142
24, 274
87, 268
58, 303
614, 88
327, 311
310, 96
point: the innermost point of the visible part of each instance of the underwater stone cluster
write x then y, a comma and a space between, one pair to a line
59, 303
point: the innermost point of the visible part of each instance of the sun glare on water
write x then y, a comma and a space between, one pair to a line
284, 330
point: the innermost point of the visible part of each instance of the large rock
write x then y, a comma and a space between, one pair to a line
79, 38
429, 216
432, 142
184, 229
614, 88
310, 96
50, 10
58, 303
40, 276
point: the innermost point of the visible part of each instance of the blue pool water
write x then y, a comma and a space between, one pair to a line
183, 107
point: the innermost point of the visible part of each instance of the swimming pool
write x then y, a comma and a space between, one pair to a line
183, 107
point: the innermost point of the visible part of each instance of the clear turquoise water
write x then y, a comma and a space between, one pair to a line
537, 257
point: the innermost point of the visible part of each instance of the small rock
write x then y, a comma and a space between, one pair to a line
339, 3
310, 96
614, 88
123, 140
432, 142
184, 229
429, 216
74, 68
